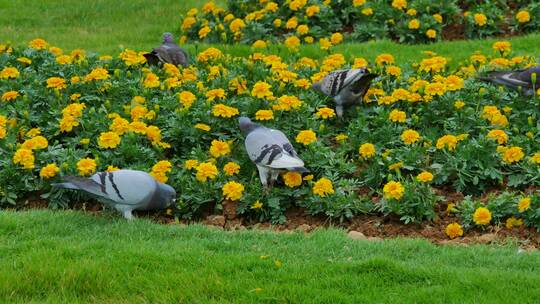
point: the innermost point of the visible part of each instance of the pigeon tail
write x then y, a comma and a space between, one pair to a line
299, 170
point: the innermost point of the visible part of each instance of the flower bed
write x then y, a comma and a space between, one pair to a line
329, 22
421, 126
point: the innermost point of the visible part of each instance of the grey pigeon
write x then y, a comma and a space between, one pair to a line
168, 52
270, 150
346, 87
125, 190
518, 79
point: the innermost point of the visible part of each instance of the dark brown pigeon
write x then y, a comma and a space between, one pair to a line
168, 52
519, 79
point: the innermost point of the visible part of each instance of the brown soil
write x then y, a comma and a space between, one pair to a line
373, 227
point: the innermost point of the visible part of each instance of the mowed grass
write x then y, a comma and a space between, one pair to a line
70, 257
106, 27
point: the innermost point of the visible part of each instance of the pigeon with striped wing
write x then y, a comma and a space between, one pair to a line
270, 150
346, 87
125, 190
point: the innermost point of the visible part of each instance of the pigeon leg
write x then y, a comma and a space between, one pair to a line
263, 175
339, 111
128, 215
273, 177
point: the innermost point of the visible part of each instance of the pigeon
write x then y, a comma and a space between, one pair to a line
168, 52
125, 190
346, 87
518, 79
270, 150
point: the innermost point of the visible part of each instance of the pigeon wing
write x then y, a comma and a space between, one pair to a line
272, 149
127, 187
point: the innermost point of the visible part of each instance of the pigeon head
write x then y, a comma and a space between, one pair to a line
246, 125
167, 37
167, 194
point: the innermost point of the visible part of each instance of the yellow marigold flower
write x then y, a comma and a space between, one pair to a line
231, 168
97, 74
49, 171
138, 112
206, 171
160, 170
459, 104
151, 81
9, 72
447, 141
499, 135
287, 103
523, 16
38, 44
292, 23
411, 12
323, 187
524, 204
393, 70
108, 140
112, 168
24, 157
132, 58
513, 155
395, 166
399, 4
432, 34
480, 19
397, 116
32, 132
292, 179
202, 126
438, 18
325, 113
57, 83
191, 164
325, 43
119, 125
138, 127
368, 11
360, 63
237, 25
221, 110
393, 190
277, 22
264, 115
295, 5
186, 98
24, 60
55, 50
343, 137
502, 46
292, 42
188, 23
78, 55
257, 205
204, 31
306, 137
482, 216
367, 150
67, 123
10, 95
454, 230
512, 222
357, 3
410, 136
86, 166
261, 89
336, 38
302, 29
535, 158
315, 9
424, 177
219, 148
414, 24
384, 59
215, 93
259, 44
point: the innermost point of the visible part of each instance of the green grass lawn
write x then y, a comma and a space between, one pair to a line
70, 257
107, 27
